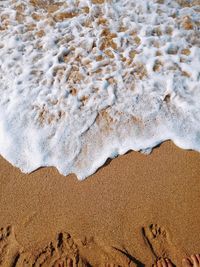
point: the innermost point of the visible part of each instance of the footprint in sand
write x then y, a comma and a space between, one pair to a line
62, 252
9, 248
159, 242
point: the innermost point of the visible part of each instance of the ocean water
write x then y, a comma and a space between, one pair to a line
83, 81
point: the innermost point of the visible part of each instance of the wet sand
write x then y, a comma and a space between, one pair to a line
133, 210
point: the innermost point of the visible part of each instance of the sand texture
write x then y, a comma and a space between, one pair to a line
134, 210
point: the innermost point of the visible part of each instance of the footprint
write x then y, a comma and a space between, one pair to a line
69, 252
159, 242
61, 252
9, 248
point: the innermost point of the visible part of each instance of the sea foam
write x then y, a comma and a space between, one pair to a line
83, 81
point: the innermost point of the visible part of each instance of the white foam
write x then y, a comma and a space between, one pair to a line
81, 82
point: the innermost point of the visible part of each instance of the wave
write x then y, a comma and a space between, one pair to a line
83, 81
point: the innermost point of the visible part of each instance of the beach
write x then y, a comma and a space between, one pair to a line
132, 211
99, 132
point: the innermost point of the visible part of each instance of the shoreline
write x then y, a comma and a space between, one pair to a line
120, 206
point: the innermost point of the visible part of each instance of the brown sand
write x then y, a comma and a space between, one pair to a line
132, 211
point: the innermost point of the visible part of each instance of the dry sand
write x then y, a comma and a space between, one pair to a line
133, 210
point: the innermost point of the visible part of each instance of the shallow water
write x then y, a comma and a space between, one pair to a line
82, 81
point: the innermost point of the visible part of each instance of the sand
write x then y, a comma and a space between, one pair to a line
134, 210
